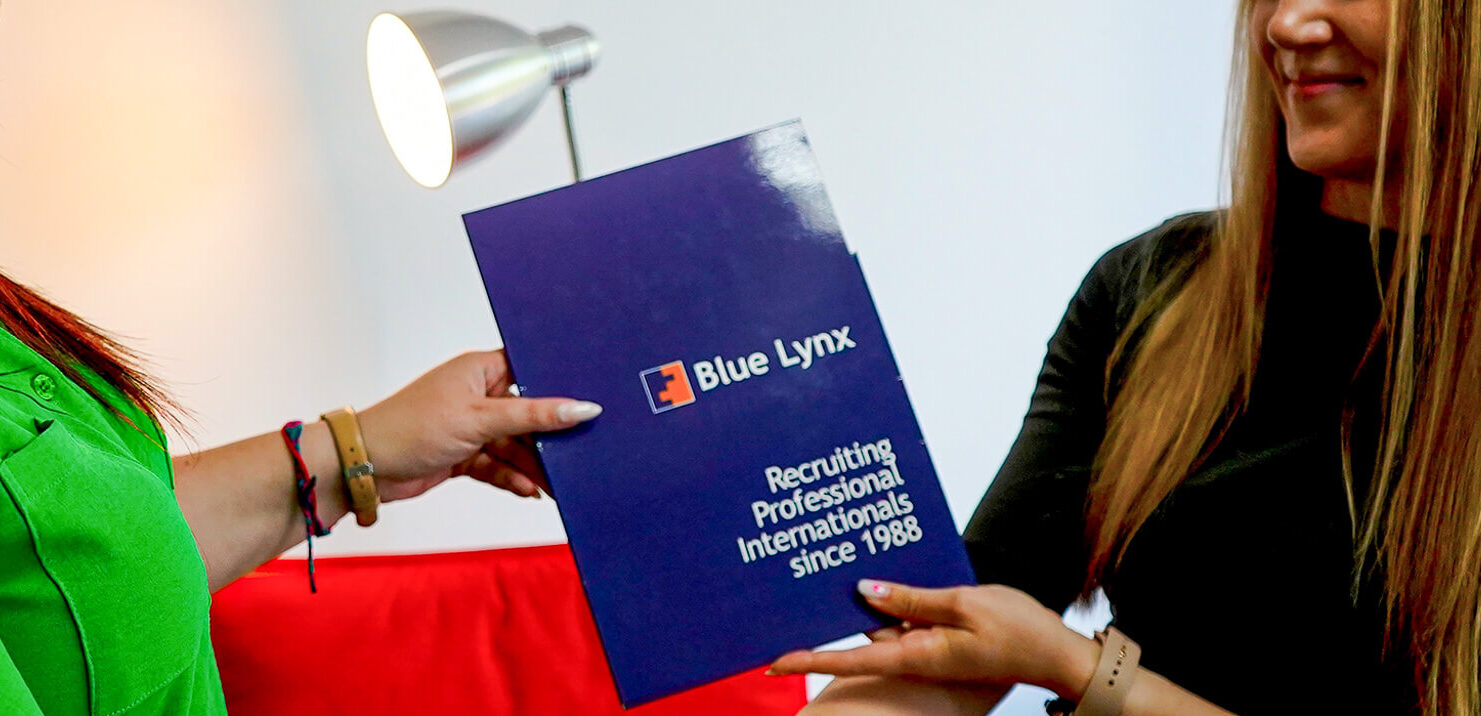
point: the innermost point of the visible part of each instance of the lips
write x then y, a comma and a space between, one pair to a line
1315, 79
1316, 84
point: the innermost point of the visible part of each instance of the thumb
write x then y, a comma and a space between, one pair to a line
931, 606
516, 416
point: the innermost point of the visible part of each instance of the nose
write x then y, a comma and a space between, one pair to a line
1300, 23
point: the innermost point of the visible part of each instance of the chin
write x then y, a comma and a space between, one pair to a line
1333, 161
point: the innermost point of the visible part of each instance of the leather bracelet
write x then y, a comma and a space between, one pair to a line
354, 462
1114, 673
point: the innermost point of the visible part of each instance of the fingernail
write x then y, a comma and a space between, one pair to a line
771, 672
577, 411
873, 590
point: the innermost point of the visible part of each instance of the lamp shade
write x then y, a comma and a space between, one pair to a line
448, 85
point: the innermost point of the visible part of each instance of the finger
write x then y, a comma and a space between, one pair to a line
503, 476
521, 452
496, 378
930, 606
515, 481
484, 468
506, 416
529, 484
880, 658
520, 455
525, 486
533, 473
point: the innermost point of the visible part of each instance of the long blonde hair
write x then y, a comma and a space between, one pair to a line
1188, 372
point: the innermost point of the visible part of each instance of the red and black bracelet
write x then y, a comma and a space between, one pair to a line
308, 503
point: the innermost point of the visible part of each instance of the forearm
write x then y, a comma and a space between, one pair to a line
241, 502
880, 696
457, 419
1153, 695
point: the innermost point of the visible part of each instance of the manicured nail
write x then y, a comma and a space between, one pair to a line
873, 590
577, 411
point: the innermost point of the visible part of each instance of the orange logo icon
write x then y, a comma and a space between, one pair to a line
667, 387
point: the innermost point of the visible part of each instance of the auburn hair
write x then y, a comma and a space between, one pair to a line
74, 345
1188, 371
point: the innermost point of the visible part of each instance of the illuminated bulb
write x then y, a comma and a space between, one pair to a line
448, 85
408, 101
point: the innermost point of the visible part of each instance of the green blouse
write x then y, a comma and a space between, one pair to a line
104, 605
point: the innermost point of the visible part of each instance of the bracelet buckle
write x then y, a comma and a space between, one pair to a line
359, 469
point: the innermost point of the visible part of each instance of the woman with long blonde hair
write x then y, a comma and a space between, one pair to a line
1256, 429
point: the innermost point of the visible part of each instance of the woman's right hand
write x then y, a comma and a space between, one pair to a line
963, 645
987, 634
459, 419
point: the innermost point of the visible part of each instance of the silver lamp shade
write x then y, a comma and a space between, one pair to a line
448, 85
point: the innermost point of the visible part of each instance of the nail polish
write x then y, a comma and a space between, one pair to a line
577, 411
873, 590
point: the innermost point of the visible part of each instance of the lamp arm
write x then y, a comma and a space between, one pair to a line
576, 173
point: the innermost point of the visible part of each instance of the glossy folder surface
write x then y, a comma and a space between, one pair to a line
758, 453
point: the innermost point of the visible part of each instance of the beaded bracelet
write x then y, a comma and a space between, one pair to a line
308, 503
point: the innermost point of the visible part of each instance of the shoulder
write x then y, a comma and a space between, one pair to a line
1159, 251
1127, 273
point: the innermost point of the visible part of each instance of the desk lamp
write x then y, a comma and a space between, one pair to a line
450, 85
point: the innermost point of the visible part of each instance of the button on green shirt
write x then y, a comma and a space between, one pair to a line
104, 605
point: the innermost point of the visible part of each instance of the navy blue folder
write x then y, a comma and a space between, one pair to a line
758, 454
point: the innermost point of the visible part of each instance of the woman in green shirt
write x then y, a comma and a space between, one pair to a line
109, 549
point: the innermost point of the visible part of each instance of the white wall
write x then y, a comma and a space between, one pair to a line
208, 180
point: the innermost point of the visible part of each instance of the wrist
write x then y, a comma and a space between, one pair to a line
383, 436
356, 469
373, 436
323, 462
1073, 667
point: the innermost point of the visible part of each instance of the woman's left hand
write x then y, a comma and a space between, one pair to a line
459, 419
987, 634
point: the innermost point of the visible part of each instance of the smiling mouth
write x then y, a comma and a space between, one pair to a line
1317, 85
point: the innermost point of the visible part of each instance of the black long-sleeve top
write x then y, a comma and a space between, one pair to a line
1239, 588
